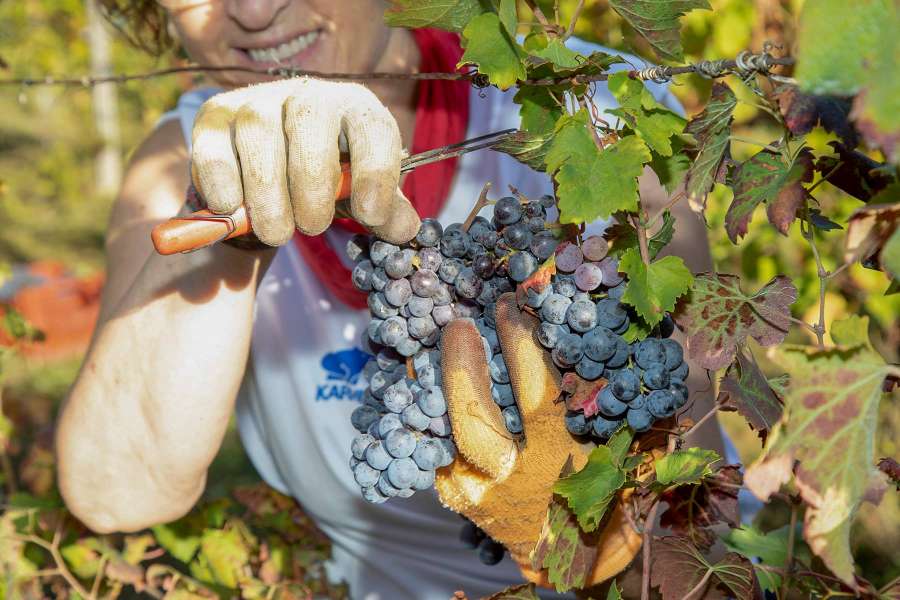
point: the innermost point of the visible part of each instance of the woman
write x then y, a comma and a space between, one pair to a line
170, 353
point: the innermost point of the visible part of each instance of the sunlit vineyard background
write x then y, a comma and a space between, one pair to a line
53, 220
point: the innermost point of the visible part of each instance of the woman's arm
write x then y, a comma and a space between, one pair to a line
149, 408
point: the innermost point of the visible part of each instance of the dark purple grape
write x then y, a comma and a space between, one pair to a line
589, 369
610, 267
661, 403
425, 283
553, 310
623, 351
455, 243
680, 372
450, 269
471, 535
581, 316
610, 313
656, 377
547, 201
568, 350
604, 428
483, 265
608, 404
468, 285
600, 344
380, 250
398, 292
521, 265
588, 277
430, 259
357, 247
507, 210
543, 245
548, 334
362, 275
380, 307
489, 239
536, 224
430, 233
640, 420
666, 326
576, 424
594, 248
490, 552
534, 209
649, 352
399, 264
568, 257
625, 384
513, 419
674, 353
517, 236
679, 392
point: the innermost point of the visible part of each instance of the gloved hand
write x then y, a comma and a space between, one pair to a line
274, 147
502, 485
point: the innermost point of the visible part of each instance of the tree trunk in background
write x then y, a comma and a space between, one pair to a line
108, 165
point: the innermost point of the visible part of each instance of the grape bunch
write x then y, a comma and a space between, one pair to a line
413, 291
582, 324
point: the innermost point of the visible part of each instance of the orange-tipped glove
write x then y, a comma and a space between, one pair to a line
503, 484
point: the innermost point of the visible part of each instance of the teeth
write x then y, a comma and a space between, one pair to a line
283, 51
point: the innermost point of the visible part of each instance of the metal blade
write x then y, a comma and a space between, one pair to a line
445, 152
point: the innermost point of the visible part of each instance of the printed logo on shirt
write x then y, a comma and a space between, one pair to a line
343, 370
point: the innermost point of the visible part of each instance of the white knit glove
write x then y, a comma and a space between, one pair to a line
274, 147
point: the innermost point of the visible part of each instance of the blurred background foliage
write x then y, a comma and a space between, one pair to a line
51, 211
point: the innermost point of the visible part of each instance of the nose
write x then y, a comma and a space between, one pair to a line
254, 15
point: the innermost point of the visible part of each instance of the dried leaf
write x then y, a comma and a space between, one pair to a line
828, 430
891, 468
526, 591
527, 148
767, 177
538, 281
802, 112
869, 229
717, 316
745, 389
581, 394
680, 571
711, 128
693, 509
567, 552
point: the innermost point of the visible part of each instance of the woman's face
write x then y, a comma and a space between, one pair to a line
314, 35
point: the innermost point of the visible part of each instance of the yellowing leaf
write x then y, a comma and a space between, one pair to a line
563, 549
718, 316
490, 48
653, 290
828, 430
658, 21
711, 128
685, 466
452, 15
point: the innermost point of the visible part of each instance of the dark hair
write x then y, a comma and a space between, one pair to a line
143, 22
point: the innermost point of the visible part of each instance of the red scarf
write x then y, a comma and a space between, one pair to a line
442, 115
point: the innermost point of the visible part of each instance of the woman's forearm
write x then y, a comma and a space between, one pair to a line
151, 404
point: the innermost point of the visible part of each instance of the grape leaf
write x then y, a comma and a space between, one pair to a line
490, 48
828, 430
223, 554
767, 177
854, 172
527, 148
571, 140
658, 22
452, 15
711, 128
526, 591
745, 389
671, 170
557, 53
683, 467
717, 316
680, 571
857, 58
622, 236
890, 254
649, 119
567, 552
802, 112
694, 509
581, 394
540, 110
869, 230
614, 592
590, 491
652, 290
509, 16
769, 548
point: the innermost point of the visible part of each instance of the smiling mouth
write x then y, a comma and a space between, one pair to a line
283, 52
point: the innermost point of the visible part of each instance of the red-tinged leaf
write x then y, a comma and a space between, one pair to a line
717, 316
694, 509
567, 552
658, 22
526, 591
767, 177
802, 112
827, 431
891, 468
854, 172
746, 390
538, 281
870, 227
711, 128
581, 394
681, 571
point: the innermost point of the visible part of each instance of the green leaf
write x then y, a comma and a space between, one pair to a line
859, 57
224, 553
652, 121
490, 48
614, 592
540, 110
564, 549
596, 185
653, 290
828, 430
658, 22
745, 389
590, 491
81, 558
717, 316
509, 17
769, 548
572, 139
557, 53
452, 15
768, 177
528, 148
671, 170
177, 539
619, 443
685, 466
712, 130
890, 254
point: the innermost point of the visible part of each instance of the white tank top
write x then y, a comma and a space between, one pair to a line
304, 379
